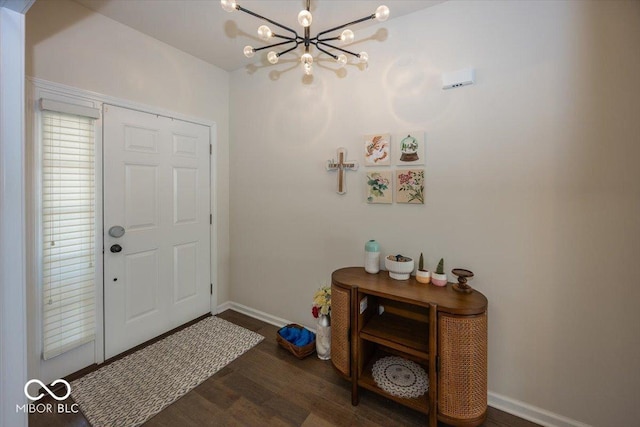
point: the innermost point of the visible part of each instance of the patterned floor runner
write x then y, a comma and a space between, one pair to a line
131, 390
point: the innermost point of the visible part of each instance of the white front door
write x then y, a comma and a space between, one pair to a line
156, 187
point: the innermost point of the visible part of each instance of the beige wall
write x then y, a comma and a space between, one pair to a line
532, 176
69, 44
532, 182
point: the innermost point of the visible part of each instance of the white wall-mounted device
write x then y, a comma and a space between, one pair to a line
458, 78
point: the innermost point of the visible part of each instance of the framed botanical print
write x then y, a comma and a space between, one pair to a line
410, 186
379, 186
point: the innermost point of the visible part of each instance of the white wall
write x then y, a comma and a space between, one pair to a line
71, 45
532, 182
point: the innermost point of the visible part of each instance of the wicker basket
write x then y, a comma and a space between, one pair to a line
299, 352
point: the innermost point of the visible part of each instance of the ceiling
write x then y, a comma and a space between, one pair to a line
202, 29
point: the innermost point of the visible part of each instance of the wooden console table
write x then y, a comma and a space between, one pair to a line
442, 330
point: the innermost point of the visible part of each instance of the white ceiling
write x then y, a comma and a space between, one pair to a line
202, 29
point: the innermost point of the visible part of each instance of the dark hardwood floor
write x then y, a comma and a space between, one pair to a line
268, 386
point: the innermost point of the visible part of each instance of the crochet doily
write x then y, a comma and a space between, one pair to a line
400, 377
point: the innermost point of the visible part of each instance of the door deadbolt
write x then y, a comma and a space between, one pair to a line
115, 248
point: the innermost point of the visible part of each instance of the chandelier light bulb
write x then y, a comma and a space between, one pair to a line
347, 36
228, 5
342, 59
382, 13
308, 68
306, 59
248, 51
272, 57
305, 18
363, 57
264, 32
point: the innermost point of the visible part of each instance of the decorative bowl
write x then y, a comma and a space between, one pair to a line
400, 267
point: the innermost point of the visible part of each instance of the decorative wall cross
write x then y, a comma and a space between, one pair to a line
342, 165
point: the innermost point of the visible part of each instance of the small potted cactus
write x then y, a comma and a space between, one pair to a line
439, 278
422, 275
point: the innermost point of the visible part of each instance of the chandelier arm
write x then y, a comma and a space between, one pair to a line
325, 51
357, 21
326, 40
256, 49
335, 47
271, 21
289, 50
280, 36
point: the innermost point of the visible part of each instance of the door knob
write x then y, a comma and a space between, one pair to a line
116, 231
115, 248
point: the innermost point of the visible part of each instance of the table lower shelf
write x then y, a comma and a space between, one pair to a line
366, 381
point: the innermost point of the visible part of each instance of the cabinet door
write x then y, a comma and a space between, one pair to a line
462, 379
340, 320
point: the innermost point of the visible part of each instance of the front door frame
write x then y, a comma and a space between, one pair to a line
13, 304
37, 88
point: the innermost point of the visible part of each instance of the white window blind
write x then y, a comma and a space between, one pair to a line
69, 231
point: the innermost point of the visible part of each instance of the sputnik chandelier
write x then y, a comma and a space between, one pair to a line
320, 41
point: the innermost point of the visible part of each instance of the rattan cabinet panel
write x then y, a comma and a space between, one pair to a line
340, 351
462, 380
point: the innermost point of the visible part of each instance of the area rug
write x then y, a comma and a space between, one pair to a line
131, 390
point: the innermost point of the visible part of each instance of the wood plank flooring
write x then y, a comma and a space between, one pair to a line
267, 386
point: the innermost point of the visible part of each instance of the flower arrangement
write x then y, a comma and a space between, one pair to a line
322, 302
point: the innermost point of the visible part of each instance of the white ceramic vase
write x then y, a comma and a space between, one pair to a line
372, 257
323, 337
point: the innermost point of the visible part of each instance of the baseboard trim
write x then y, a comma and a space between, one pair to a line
512, 406
252, 312
531, 413
222, 307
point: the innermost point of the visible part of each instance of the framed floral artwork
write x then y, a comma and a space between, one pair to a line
410, 186
409, 148
377, 150
379, 186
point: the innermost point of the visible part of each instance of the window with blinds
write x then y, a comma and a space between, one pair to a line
68, 232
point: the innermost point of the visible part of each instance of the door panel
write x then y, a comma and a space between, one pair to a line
141, 193
156, 185
185, 195
141, 278
185, 261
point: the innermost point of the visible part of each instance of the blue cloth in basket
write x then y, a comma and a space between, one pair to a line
297, 337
